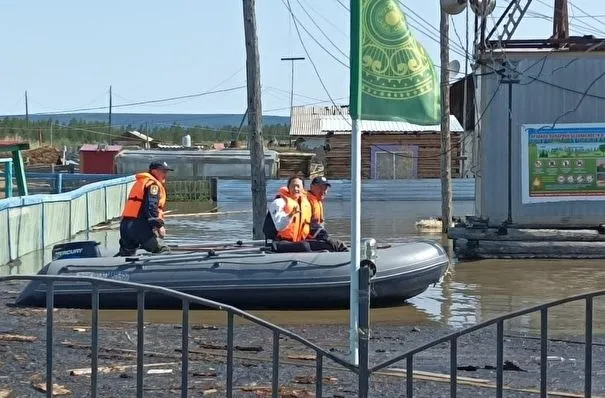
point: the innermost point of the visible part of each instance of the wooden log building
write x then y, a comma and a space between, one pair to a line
390, 150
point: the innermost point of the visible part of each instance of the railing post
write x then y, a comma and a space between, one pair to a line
8, 179
9, 234
59, 183
87, 217
94, 349
185, 350
588, 349
50, 305
364, 328
106, 204
543, 352
140, 340
229, 382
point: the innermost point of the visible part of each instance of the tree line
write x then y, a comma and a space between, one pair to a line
78, 132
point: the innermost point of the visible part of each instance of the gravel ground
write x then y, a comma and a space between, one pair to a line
22, 363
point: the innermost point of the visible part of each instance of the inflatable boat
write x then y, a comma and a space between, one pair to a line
245, 277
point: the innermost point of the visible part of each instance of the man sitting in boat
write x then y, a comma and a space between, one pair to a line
288, 219
319, 234
143, 215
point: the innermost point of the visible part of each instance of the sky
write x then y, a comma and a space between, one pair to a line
66, 54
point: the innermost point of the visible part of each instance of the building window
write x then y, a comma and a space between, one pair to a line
394, 162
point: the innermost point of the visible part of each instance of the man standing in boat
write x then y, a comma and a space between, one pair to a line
319, 234
288, 219
142, 223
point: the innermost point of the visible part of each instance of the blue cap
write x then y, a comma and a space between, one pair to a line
321, 180
159, 166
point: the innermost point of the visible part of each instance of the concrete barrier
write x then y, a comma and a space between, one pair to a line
30, 223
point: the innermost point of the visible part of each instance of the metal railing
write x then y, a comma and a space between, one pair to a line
187, 299
499, 322
364, 371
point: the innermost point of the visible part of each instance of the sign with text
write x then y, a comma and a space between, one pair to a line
562, 163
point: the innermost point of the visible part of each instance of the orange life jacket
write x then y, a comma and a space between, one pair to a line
317, 207
300, 224
132, 209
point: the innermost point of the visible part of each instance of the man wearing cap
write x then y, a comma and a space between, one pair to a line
143, 215
319, 235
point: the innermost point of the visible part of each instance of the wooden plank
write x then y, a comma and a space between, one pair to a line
554, 249
557, 235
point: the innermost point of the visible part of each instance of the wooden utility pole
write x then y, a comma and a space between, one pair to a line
255, 134
446, 144
560, 23
110, 98
26, 111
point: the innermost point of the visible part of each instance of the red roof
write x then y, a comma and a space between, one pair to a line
95, 147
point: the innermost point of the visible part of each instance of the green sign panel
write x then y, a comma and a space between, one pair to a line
563, 163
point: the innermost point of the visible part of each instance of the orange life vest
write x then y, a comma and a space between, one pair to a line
317, 207
300, 224
132, 209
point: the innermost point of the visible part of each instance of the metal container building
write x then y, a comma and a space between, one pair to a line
227, 163
98, 159
554, 85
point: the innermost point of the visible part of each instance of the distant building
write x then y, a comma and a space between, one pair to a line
135, 138
98, 159
390, 150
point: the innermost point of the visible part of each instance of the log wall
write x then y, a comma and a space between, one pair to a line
427, 161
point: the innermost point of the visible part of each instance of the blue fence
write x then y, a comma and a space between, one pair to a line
371, 190
36, 221
53, 183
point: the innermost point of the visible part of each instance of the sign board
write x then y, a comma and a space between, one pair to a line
562, 163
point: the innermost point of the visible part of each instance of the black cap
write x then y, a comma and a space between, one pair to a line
159, 166
321, 180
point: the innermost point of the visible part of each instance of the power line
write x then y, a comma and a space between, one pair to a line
140, 102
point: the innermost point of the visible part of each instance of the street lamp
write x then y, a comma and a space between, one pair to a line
292, 59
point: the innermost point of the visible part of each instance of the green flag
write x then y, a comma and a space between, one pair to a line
392, 76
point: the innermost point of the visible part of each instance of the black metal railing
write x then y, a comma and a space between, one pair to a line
452, 339
363, 370
187, 299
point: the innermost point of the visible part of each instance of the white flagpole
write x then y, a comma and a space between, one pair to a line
355, 238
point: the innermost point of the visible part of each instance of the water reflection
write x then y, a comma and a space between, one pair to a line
474, 292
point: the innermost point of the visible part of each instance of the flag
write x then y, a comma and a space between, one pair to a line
392, 76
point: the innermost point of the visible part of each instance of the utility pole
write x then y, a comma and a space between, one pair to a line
446, 144
110, 97
292, 59
255, 134
26, 111
560, 22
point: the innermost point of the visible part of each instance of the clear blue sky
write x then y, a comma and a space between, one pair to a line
67, 53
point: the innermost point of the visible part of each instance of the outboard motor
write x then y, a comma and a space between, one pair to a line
80, 249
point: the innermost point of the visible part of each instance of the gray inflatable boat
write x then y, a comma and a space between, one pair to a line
247, 278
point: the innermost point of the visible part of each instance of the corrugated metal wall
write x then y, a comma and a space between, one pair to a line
372, 190
536, 102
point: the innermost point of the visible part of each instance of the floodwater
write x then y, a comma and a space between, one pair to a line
473, 292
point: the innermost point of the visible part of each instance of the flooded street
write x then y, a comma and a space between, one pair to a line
474, 292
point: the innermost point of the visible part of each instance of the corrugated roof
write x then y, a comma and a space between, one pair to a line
140, 135
95, 147
343, 124
305, 119
319, 120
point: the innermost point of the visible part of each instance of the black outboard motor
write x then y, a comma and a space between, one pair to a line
81, 249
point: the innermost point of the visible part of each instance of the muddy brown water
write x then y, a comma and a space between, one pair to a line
474, 292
